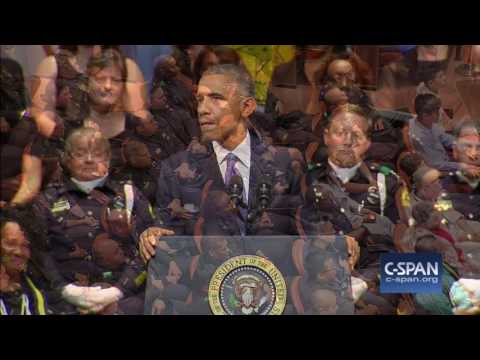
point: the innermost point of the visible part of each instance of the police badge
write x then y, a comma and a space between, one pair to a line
247, 285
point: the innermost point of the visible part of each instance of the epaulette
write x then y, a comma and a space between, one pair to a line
316, 166
319, 170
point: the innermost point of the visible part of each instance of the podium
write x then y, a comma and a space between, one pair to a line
189, 292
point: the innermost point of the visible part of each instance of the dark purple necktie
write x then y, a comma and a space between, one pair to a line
231, 171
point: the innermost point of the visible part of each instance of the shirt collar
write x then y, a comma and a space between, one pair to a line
472, 183
345, 174
242, 151
69, 186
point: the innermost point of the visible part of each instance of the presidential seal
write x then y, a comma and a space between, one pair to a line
247, 285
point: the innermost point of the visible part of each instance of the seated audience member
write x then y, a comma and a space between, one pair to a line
428, 222
85, 204
410, 163
214, 55
65, 77
111, 261
139, 169
20, 293
106, 79
466, 151
176, 126
454, 227
428, 138
459, 294
322, 270
178, 89
296, 85
434, 79
348, 138
21, 172
340, 88
184, 56
427, 187
463, 186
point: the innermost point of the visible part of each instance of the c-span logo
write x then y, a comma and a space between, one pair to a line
247, 285
411, 273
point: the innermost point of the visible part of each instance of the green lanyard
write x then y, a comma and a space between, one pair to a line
25, 303
24, 306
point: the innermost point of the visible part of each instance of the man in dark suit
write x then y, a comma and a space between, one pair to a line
231, 157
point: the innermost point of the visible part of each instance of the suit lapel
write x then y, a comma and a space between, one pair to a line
260, 167
208, 164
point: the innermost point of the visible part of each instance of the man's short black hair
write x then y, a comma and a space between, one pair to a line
235, 74
427, 104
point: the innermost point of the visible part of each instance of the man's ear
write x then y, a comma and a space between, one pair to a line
326, 137
369, 143
64, 159
248, 107
455, 151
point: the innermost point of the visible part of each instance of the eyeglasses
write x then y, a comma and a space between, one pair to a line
85, 155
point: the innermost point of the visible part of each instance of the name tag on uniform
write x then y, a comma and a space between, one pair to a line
443, 205
60, 206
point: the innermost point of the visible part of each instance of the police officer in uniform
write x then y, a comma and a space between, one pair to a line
364, 195
87, 204
344, 184
463, 186
347, 137
428, 187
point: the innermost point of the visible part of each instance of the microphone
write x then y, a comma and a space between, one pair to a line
263, 198
264, 194
235, 190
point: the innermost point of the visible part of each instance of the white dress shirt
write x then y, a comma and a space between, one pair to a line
243, 153
345, 174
